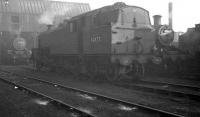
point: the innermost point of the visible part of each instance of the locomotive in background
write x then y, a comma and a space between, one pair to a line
22, 20
190, 41
114, 40
15, 48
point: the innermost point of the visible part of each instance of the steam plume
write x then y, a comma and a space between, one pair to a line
52, 11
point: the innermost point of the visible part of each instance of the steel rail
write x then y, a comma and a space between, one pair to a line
160, 112
166, 91
172, 84
71, 108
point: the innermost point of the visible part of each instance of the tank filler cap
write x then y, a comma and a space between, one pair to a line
120, 4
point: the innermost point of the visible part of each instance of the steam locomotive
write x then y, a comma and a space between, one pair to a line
190, 41
114, 40
14, 48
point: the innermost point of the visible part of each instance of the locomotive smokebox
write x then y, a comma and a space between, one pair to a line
157, 20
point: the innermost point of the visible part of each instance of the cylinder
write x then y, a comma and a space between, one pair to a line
157, 20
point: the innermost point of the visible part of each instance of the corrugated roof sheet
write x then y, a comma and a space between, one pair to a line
40, 6
34, 14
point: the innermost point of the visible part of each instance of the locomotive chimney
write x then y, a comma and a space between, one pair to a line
157, 20
170, 15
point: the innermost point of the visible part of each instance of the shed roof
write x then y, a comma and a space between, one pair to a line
33, 15
41, 6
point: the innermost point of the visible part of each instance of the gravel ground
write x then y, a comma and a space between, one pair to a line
15, 103
93, 105
180, 106
8, 108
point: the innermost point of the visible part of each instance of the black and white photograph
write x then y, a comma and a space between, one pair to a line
99, 58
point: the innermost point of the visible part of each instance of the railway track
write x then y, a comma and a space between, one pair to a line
180, 90
127, 108
20, 103
74, 110
179, 85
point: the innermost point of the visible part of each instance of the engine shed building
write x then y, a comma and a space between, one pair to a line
27, 18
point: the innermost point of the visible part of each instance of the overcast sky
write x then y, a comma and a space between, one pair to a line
185, 12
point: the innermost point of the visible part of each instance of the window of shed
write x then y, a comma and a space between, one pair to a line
70, 27
83, 21
15, 19
73, 27
15, 26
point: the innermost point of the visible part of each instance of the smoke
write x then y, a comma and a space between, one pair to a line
53, 11
47, 18
17, 31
